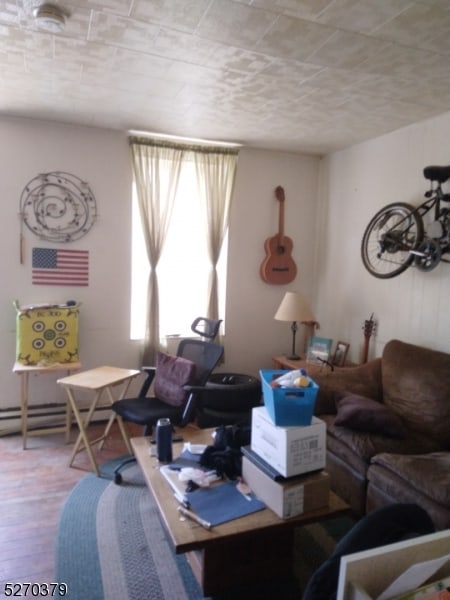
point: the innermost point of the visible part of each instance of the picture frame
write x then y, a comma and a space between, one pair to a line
319, 350
340, 354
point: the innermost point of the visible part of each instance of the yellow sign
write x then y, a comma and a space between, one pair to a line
47, 335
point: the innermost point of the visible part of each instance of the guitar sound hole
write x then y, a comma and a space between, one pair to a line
281, 250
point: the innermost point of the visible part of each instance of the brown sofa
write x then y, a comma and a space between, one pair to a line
388, 430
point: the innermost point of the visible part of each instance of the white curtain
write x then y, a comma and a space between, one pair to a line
216, 169
156, 170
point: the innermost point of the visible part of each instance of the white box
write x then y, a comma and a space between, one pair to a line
289, 450
290, 497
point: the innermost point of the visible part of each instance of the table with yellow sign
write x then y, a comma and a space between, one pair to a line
24, 371
97, 381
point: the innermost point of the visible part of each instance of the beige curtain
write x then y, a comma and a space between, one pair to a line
216, 172
216, 168
156, 168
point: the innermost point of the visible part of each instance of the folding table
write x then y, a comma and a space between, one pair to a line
97, 381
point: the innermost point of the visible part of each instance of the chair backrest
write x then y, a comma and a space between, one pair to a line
207, 328
205, 355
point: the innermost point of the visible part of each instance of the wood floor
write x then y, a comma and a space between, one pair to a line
34, 485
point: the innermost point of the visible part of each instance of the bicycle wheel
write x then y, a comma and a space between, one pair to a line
389, 237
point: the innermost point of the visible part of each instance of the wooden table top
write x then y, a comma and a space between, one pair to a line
187, 535
20, 368
98, 378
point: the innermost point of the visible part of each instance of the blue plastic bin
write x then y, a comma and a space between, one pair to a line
288, 406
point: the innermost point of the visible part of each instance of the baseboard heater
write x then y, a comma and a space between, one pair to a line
39, 415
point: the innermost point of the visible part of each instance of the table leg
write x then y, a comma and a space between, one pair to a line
83, 425
24, 387
68, 420
114, 417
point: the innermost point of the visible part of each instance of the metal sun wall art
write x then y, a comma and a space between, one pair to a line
58, 207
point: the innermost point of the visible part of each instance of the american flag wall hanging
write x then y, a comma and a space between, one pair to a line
55, 266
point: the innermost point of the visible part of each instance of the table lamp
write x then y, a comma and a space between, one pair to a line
294, 308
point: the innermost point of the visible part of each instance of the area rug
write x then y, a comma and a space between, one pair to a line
112, 545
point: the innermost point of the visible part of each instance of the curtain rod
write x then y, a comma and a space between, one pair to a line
180, 139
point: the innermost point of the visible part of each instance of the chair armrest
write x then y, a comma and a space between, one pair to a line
364, 380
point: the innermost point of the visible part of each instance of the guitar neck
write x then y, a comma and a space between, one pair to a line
281, 222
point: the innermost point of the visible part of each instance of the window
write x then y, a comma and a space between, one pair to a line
184, 266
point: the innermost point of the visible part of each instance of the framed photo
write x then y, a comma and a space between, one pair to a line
319, 350
340, 354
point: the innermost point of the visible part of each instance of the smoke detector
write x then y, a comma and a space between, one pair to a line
50, 18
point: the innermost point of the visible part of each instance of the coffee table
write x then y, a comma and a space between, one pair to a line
239, 552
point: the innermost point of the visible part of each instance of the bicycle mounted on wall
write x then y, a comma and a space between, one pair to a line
396, 237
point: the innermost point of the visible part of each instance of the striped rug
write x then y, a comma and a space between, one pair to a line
111, 545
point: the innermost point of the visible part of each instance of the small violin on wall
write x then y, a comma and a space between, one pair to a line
278, 267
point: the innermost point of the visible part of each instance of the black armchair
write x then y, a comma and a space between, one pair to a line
178, 381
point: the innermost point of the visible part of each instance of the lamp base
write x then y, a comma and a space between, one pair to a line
293, 357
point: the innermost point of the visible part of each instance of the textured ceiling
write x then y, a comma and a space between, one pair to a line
301, 75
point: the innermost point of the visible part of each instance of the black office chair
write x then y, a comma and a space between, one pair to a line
206, 328
178, 383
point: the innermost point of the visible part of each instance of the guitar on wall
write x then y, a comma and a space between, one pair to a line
368, 328
278, 267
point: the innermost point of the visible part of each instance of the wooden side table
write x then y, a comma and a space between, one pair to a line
24, 372
281, 362
97, 381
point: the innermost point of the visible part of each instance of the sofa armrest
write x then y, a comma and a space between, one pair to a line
363, 379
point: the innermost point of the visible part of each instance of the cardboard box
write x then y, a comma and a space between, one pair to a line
290, 497
289, 450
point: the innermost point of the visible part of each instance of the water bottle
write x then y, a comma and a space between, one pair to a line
164, 440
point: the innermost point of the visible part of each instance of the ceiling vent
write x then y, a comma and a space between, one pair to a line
50, 18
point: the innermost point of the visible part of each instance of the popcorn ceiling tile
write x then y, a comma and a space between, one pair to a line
294, 38
178, 14
295, 8
346, 50
182, 46
416, 25
401, 61
362, 16
121, 31
238, 59
234, 23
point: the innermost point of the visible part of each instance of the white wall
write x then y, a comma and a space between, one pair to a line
355, 184
252, 334
101, 157
326, 226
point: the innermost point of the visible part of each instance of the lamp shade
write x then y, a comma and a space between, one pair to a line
294, 307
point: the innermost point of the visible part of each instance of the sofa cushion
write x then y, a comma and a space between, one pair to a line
364, 414
416, 384
356, 448
172, 373
427, 474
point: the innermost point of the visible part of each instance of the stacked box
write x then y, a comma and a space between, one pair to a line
47, 335
284, 466
289, 450
286, 497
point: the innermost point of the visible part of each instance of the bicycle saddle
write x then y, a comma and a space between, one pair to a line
439, 174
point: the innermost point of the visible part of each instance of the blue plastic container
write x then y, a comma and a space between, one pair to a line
291, 406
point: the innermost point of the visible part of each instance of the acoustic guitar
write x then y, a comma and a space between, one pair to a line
368, 328
278, 267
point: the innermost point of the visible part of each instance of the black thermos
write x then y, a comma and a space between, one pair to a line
164, 440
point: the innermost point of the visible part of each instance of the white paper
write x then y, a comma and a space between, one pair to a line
413, 577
